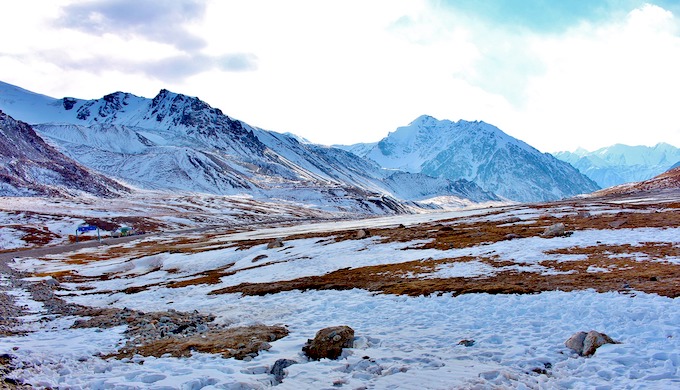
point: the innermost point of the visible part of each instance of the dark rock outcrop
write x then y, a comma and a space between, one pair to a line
31, 167
278, 369
329, 342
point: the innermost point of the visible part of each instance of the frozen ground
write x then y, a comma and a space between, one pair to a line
405, 342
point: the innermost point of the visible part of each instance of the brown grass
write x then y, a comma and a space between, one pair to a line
652, 277
233, 342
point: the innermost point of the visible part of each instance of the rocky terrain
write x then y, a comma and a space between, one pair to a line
30, 167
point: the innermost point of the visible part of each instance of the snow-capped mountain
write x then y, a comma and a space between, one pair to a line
618, 164
478, 152
30, 167
179, 142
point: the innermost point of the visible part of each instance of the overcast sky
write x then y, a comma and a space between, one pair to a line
556, 74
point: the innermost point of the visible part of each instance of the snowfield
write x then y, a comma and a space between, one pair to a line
404, 341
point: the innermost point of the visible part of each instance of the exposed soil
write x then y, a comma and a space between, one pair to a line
239, 343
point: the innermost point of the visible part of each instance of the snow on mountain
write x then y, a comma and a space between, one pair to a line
30, 167
334, 164
481, 153
181, 143
360, 149
618, 164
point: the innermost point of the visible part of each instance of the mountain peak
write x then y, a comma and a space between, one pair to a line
478, 152
424, 120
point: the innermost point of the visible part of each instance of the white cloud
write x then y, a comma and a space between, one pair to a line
606, 84
351, 71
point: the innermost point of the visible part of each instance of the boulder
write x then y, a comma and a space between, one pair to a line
585, 344
275, 243
329, 342
362, 233
278, 369
556, 230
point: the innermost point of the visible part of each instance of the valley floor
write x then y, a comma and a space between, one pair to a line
472, 299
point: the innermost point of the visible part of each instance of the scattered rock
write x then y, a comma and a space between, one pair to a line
585, 344
362, 233
512, 236
446, 229
583, 214
510, 220
466, 343
618, 223
329, 342
556, 230
275, 243
278, 369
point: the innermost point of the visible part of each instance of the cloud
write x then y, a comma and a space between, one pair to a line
159, 21
135, 22
169, 69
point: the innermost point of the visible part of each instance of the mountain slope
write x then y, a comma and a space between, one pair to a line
30, 167
618, 164
178, 142
481, 153
667, 182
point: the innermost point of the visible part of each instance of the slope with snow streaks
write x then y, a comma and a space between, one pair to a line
30, 167
479, 152
668, 181
340, 166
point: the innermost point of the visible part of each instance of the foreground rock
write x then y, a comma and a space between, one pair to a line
329, 342
585, 344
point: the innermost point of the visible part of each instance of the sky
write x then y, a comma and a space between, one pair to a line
555, 74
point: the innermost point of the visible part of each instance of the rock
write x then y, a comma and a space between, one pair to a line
275, 243
575, 342
510, 220
618, 223
512, 236
556, 230
466, 343
278, 369
585, 344
583, 214
329, 342
362, 233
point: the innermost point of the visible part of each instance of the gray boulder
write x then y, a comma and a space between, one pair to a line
556, 230
275, 243
585, 344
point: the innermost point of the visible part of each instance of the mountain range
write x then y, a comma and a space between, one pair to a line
478, 152
180, 143
618, 164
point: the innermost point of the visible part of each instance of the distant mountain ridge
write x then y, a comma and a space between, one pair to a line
478, 152
177, 142
619, 164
